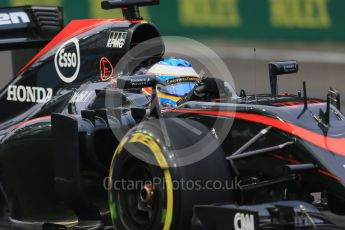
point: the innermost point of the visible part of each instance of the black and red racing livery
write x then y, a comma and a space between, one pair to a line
76, 130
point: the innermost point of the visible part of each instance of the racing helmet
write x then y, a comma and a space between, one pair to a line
176, 79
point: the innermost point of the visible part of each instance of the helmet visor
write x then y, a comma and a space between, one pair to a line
178, 89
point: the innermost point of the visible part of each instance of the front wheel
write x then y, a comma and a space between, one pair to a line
152, 188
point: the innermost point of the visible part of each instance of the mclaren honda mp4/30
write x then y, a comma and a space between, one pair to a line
284, 155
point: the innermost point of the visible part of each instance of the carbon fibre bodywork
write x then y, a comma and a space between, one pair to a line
32, 164
311, 145
293, 160
58, 136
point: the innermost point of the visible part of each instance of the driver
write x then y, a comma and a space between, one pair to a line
176, 78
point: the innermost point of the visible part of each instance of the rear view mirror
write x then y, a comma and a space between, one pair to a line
130, 8
137, 82
280, 68
114, 4
283, 67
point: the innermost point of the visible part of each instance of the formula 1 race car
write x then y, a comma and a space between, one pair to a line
213, 160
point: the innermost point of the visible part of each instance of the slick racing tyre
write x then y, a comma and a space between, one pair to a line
151, 188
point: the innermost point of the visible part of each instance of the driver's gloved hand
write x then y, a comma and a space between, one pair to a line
212, 88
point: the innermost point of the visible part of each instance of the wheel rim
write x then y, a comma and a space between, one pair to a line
139, 199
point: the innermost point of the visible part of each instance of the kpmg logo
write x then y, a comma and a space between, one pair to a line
117, 39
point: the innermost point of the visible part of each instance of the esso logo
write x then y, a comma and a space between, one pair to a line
67, 61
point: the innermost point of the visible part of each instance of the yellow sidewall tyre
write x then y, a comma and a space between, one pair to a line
145, 155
